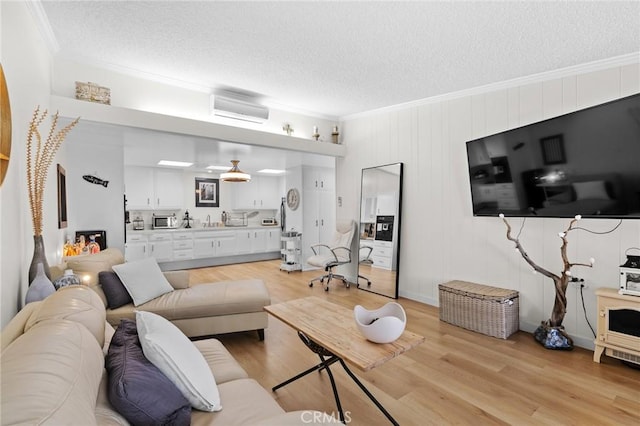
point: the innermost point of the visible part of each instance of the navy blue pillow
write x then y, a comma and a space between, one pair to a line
137, 389
116, 292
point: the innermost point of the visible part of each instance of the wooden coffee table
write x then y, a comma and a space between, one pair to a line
330, 331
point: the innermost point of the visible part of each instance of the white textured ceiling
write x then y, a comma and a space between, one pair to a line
340, 58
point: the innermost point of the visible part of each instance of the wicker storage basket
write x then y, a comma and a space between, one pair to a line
488, 310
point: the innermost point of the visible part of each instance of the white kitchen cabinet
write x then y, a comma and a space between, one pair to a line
226, 243
204, 244
138, 183
369, 210
271, 192
318, 178
204, 247
182, 246
150, 188
172, 246
136, 247
273, 239
382, 255
261, 193
169, 189
243, 240
259, 241
319, 209
252, 241
214, 243
386, 204
161, 247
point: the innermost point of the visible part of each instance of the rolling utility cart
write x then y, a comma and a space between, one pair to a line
291, 251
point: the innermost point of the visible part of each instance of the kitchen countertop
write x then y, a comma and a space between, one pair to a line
201, 228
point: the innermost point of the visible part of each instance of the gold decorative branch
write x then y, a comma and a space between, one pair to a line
44, 153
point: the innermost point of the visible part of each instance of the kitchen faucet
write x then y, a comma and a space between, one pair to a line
209, 220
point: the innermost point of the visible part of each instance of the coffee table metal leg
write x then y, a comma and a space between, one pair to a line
325, 364
366, 391
335, 392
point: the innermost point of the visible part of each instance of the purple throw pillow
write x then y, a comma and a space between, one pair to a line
116, 292
137, 389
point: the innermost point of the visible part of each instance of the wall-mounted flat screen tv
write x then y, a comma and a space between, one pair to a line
586, 162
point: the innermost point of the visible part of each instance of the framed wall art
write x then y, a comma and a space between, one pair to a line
207, 192
62, 197
553, 150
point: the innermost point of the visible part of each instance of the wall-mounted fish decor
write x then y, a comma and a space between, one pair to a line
96, 180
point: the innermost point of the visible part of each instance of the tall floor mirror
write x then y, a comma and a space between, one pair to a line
380, 213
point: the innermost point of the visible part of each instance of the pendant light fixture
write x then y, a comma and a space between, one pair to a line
235, 174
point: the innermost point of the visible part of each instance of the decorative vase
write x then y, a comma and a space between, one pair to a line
69, 278
38, 257
40, 287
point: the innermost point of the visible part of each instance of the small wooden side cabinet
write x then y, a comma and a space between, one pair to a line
618, 332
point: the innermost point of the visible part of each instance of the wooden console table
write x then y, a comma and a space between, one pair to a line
330, 331
614, 343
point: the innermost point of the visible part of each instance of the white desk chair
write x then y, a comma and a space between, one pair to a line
336, 252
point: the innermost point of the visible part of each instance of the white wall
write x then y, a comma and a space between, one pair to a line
441, 240
135, 92
26, 64
91, 206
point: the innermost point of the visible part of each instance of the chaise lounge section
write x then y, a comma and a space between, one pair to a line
197, 310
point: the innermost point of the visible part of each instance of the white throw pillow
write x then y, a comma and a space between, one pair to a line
594, 190
177, 357
143, 279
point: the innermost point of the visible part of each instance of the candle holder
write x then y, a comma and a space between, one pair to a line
287, 128
335, 134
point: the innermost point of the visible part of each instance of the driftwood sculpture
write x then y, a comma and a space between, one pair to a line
560, 281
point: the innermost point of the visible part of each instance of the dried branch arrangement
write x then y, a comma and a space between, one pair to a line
561, 281
40, 155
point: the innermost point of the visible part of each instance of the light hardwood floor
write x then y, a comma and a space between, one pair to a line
455, 377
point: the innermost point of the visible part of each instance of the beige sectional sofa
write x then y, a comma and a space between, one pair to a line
53, 370
198, 310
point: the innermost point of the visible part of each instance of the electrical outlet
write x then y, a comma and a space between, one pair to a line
578, 283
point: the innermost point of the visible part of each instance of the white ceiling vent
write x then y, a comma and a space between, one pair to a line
239, 109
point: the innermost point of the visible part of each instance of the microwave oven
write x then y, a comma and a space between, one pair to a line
163, 221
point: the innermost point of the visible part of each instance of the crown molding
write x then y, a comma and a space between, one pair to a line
616, 61
42, 22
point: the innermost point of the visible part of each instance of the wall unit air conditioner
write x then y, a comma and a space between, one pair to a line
238, 109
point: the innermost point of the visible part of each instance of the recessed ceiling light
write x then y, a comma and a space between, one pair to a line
225, 168
174, 163
271, 171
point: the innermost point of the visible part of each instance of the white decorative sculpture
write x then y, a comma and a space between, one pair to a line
382, 325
